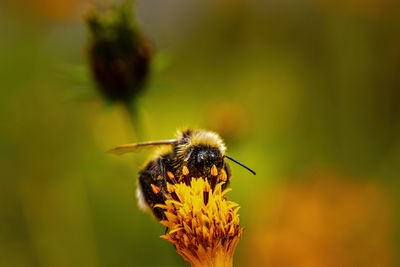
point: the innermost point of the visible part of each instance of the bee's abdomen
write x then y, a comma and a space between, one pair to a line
153, 192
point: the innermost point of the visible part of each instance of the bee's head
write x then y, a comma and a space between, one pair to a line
201, 160
199, 151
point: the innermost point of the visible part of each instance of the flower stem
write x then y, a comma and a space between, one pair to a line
133, 114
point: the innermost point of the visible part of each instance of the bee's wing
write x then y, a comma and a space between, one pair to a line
137, 147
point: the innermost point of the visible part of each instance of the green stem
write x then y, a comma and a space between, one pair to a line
133, 114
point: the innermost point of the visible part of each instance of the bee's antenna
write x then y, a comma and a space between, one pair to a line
234, 160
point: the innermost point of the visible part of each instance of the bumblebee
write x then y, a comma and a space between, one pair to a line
194, 153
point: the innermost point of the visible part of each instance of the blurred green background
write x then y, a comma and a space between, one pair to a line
304, 92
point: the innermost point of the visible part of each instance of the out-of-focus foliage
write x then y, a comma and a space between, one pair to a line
295, 87
323, 220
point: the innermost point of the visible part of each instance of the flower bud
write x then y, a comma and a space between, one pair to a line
119, 55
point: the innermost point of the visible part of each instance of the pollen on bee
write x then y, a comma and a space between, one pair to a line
155, 189
185, 170
223, 176
214, 171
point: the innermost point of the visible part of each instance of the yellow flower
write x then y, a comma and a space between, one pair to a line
203, 225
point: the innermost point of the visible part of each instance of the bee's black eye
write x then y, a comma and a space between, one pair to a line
200, 158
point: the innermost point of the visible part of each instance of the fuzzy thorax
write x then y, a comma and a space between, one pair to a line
203, 225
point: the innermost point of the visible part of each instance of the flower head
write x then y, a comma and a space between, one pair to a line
203, 225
